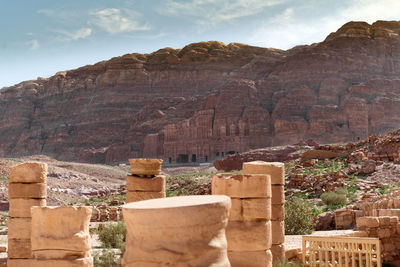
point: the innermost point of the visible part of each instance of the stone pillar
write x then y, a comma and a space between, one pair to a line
27, 188
277, 172
60, 236
145, 181
249, 229
177, 231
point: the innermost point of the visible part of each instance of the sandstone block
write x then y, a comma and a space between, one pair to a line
19, 190
187, 231
278, 195
51, 254
241, 186
21, 208
236, 210
19, 228
384, 221
384, 233
82, 262
28, 172
134, 196
249, 236
145, 166
19, 262
278, 252
275, 169
278, 232
278, 212
261, 258
292, 253
155, 184
256, 208
19, 248
63, 228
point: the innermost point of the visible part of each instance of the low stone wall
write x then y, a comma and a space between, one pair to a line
387, 229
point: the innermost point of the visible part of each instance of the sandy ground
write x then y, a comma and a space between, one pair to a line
294, 241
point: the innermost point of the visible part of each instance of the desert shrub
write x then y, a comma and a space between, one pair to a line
299, 217
286, 263
341, 190
113, 236
106, 258
334, 199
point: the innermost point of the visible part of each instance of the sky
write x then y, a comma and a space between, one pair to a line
41, 37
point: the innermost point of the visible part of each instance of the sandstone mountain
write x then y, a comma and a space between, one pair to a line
210, 99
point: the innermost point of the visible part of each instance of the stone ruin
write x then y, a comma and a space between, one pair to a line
59, 236
255, 231
145, 181
177, 231
27, 188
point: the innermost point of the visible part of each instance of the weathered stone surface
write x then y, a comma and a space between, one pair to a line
19, 262
278, 212
242, 186
63, 228
236, 212
19, 248
275, 169
155, 184
82, 262
278, 252
21, 208
19, 228
325, 221
210, 98
250, 209
134, 196
261, 258
249, 236
19, 190
57, 254
278, 232
28, 172
278, 195
185, 230
256, 209
145, 166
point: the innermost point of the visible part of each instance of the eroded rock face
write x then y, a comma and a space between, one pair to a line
209, 99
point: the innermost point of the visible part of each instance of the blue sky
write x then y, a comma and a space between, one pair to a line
42, 37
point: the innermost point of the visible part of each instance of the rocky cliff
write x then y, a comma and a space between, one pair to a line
209, 99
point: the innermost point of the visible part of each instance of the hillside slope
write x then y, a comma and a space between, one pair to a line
210, 99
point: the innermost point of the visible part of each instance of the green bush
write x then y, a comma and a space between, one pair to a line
113, 236
286, 263
334, 199
299, 217
106, 258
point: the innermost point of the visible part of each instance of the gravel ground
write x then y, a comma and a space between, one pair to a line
294, 241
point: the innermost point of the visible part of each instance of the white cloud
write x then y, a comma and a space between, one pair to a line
81, 33
33, 44
286, 30
372, 10
113, 21
213, 12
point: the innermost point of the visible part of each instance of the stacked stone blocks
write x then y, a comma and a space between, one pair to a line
145, 182
276, 170
60, 237
177, 231
27, 188
249, 229
387, 229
